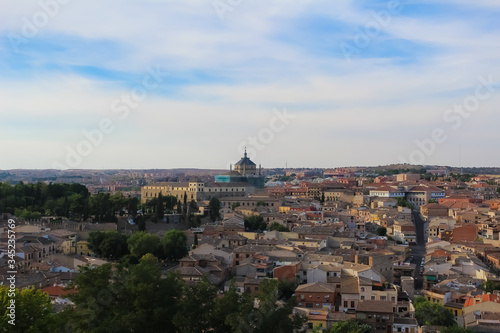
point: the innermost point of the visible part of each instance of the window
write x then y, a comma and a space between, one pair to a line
362, 298
362, 289
345, 304
352, 304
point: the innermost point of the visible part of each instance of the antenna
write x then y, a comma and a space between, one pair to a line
460, 156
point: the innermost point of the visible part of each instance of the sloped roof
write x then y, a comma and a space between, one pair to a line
316, 287
375, 306
245, 161
481, 299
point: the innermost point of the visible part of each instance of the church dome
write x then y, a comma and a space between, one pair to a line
245, 161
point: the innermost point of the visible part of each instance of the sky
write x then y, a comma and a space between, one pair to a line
306, 83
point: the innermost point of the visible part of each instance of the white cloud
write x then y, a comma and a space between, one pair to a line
227, 76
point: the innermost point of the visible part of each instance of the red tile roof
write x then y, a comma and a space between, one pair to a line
58, 291
481, 299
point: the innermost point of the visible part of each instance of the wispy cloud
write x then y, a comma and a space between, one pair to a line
226, 77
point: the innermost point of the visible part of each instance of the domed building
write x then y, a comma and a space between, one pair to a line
245, 166
245, 171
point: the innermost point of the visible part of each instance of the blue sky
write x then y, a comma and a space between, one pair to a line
364, 83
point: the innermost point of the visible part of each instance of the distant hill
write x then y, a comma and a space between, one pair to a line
421, 168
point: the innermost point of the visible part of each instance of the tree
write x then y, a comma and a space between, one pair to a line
160, 209
456, 329
227, 309
428, 313
255, 223
114, 246
382, 231
170, 202
286, 288
185, 208
179, 207
124, 299
118, 202
277, 226
214, 206
489, 286
350, 326
141, 222
192, 209
102, 208
95, 240
174, 244
271, 316
133, 206
33, 310
195, 312
402, 202
108, 244
141, 243
195, 241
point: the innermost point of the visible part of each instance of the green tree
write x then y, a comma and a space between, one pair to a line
489, 286
214, 206
179, 207
350, 326
174, 244
286, 288
195, 312
160, 208
277, 226
195, 241
428, 313
95, 240
118, 202
108, 244
226, 310
402, 202
270, 315
255, 223
124, 299
170, 202
141, 222
192, 209
133, 206
456, 329
185, 208
141, 243
382, 231
33, 310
